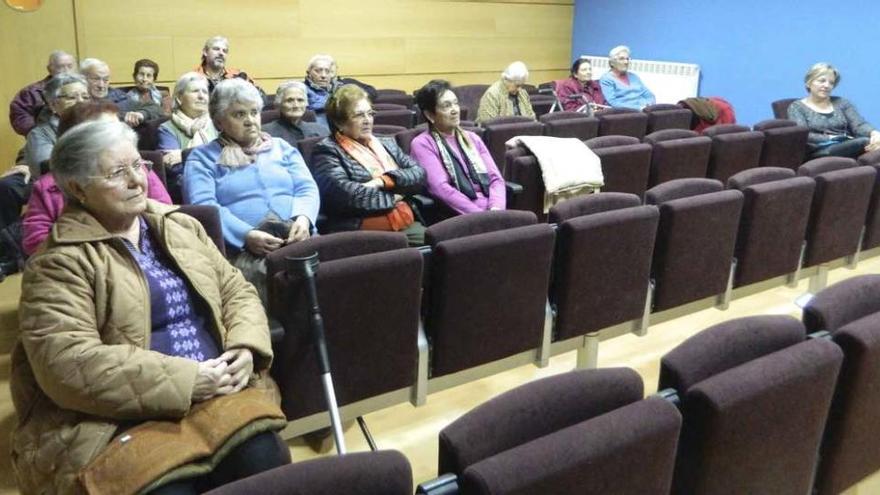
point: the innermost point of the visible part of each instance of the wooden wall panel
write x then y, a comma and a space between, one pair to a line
387, 43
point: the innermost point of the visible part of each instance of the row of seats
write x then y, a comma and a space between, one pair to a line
500, 287
762, 404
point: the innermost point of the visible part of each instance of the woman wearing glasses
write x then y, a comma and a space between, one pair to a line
47, 201
364, 179
266, 195
155, 339
461, 173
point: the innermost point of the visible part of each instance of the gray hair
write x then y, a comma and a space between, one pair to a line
91, 63
183, 83
76, 154
292, 84
53, 87
516, 71
315, 59
56, 54
215, 39
617, 50
820, 69
230, 91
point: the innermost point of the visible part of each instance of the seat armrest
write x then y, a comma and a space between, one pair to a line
513, 189
445, 484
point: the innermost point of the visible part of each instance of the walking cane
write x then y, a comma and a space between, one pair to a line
305, 268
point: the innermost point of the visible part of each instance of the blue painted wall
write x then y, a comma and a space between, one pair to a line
750, 52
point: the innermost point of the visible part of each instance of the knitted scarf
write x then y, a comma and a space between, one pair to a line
462, 178
371, 155
233, 155
195, 129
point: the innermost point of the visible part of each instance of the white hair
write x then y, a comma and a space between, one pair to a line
76, 154
292, 84
229, 91
57, 54
183, 83
53, 87
91, 63
617, 50
317, 58
516, 71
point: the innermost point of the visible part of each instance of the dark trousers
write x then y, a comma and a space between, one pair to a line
260, 453
14, 193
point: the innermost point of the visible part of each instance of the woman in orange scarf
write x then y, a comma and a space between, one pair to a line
364, 179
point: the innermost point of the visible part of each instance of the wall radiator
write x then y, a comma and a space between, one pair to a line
669, 81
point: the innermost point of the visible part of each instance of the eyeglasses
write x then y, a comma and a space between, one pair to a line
117, 176
370, 115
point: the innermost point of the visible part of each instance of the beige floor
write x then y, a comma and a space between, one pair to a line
414, 431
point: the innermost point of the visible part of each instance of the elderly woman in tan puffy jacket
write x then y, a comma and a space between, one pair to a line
142, 355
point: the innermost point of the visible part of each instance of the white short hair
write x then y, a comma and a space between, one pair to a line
57, 54
516, 71
286, 85
91, 63
75, 155
183, 83
317, 58
215, 39
229, 91
617, 50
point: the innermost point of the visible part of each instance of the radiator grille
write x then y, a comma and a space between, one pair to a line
669, 81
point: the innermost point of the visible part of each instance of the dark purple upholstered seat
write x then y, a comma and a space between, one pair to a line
755, 397
695, 239
541, 104
394, 96
209, 217
469, 96
850, 310
306, 146
780, 107
522, 167
602, 265
481, 263
785, 143
578, 432
734, 148
269, 116
385, 472
499, 131
667, 116
622, 122
158, 165
677, 154
626, 163
364, 326
403, 117
388, 129
570, 125
839, 209
872, 220
148, 133
773, 226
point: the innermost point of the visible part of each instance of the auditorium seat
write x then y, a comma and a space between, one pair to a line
469, 96
499, 131
587, 432
487, 293
850, 311
734, 148
158, 164
371, 334
773, 226
780, 107
785, 143
393, 114
570, 125
522, 167
387, 130
839, 208
872, 220
626, 163
394, 96
677, 154
667, 116
541, 103
622, 122
269, 116
209, 217
696, 237
306, 146
385, 472
754, 399
601, 266
148, 134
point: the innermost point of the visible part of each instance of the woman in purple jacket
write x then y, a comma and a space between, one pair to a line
461, 172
